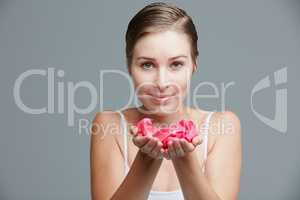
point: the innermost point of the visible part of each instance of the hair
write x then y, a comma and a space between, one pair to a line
158, 17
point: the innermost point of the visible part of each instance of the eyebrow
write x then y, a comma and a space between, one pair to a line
148, 58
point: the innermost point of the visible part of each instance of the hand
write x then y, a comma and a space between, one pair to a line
179, 147
148, 144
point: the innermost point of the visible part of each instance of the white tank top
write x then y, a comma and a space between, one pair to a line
163, 195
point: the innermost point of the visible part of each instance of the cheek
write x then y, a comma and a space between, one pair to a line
137, 78
142, 81
141, 84
183, 87
138, 75
182, 82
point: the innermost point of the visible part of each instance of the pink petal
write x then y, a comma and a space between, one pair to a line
182, 129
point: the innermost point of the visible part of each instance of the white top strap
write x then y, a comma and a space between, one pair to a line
124, 132
205, 142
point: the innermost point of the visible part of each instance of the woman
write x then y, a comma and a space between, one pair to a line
161, 50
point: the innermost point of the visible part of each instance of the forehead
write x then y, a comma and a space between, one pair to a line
166, 44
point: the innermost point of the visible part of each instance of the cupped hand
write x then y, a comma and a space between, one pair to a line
147, 144
179, 147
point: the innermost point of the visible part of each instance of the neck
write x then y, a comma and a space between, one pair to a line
166, 118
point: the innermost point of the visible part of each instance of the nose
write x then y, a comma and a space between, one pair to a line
162, 79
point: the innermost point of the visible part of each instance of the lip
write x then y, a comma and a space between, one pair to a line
161, 95
161, 99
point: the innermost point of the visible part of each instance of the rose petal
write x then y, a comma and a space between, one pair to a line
182, 129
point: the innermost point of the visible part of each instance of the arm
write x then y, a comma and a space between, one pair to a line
107, 166
222, 167
139, 180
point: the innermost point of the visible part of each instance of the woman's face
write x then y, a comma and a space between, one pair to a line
161, 70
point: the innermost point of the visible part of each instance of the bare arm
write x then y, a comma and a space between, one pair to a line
222, 167
139, 180
106, 161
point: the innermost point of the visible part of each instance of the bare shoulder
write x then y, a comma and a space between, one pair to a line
105, 116
221, 124
225, 123
105, 123
225, 128
105, 129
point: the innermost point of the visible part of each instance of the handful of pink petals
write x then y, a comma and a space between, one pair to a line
182, 129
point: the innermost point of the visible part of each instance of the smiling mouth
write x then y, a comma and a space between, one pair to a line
161, 99
161, 96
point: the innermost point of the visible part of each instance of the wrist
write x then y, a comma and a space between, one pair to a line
146, 158
188, 158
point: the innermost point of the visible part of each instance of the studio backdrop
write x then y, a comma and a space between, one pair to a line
63, 61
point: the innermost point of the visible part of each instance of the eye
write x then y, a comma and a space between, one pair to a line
147, 65
177, 65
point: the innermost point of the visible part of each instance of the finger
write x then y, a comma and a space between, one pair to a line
161, 151
133, 130
165, 154
171, 149
140, 141
178, 149
156, 150
186, 146
147, 148
196, 141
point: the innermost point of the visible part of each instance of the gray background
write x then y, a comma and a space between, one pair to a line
41, 157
